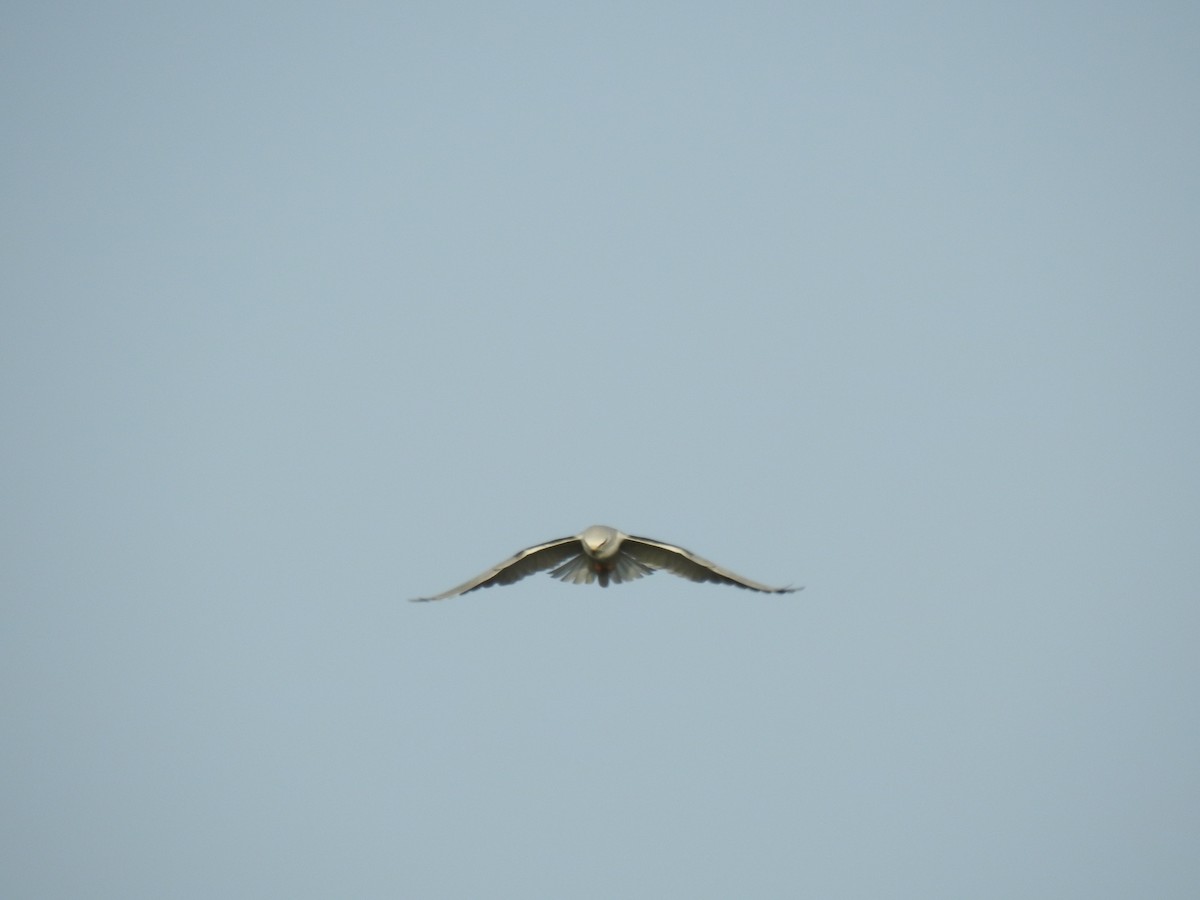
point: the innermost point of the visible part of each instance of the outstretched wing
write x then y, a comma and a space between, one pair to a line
528, 561
688, 565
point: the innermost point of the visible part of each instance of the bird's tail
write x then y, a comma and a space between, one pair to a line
581, 570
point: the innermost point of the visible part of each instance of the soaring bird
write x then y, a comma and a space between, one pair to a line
604, 554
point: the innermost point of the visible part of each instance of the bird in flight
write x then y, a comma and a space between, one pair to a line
604, 554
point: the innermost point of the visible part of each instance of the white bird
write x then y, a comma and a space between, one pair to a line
604, 554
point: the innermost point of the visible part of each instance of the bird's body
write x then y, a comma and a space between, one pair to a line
605, 555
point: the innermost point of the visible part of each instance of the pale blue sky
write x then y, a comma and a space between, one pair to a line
311, 309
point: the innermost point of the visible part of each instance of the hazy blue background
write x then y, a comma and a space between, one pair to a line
308, 310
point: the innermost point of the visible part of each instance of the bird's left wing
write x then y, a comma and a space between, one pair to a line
690, 566
530, 560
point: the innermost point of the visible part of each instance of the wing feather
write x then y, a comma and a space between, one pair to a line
527, 562
688, 565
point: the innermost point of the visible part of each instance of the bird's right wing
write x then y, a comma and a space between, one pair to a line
527, 562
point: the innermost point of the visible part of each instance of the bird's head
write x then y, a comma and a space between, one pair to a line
601, 542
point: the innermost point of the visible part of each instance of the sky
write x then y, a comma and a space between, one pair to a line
307, 310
